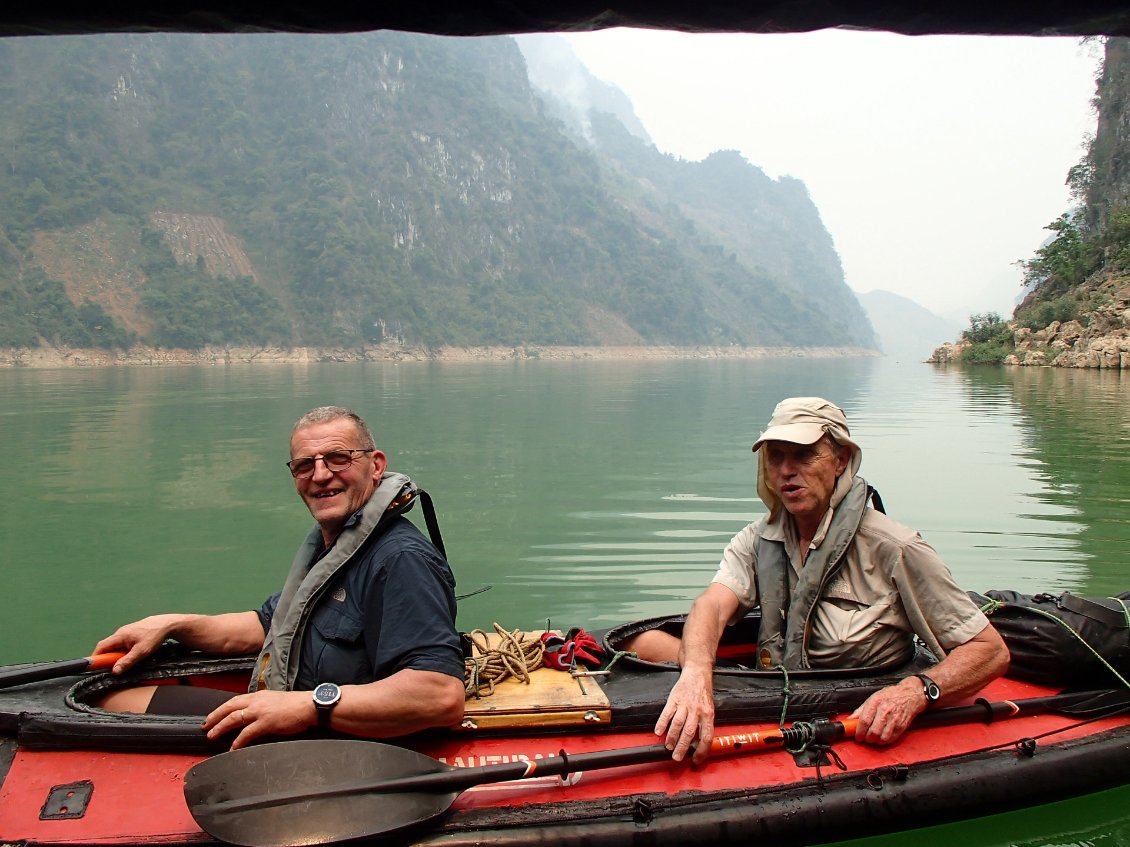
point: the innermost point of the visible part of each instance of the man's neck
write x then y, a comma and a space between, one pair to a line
807, 528
806, 531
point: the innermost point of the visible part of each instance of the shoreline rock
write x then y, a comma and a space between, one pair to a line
143, 356
1103, 341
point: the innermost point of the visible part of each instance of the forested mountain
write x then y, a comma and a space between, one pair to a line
191, 190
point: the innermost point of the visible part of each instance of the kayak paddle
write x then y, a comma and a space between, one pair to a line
305, 792
302, 792
54, 670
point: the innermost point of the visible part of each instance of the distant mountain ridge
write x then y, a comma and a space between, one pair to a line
770, 226
907, 330
186, 190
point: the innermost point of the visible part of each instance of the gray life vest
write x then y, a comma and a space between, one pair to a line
277, 666
786, 616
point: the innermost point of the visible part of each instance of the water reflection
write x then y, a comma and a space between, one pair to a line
953, 454
952, 461
1075, 434
586, 492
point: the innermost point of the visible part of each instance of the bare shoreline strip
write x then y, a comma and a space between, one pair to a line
55, 357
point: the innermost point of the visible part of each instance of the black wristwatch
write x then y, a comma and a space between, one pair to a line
930, 689
326, 696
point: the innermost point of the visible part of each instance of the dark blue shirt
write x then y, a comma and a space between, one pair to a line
391, 608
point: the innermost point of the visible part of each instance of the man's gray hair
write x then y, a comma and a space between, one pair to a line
327, 414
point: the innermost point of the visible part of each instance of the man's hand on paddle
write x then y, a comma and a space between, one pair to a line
138, 639
968, 667
224, 634
688, 717
886, 714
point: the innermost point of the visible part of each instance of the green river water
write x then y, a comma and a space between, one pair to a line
583, 492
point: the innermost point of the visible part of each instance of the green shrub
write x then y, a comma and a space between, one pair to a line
191, 309
1068, 259
987, 326
992, 339
35, 307
985, 353
101, 329
1039, 315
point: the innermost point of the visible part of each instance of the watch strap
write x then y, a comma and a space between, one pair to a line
930, 689
325, 710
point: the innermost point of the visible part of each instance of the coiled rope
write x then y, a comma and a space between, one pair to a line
516, 654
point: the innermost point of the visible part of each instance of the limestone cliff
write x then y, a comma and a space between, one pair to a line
1076, 313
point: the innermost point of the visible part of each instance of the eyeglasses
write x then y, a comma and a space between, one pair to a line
335, 461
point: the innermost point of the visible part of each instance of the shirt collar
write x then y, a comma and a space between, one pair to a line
323, 549
784, 531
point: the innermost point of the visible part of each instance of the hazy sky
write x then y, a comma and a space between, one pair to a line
936, 162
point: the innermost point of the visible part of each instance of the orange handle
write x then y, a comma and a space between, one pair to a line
769, 738
101, 661
54, 670
776, 738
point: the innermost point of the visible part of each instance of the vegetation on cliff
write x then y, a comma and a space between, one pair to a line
1077, 311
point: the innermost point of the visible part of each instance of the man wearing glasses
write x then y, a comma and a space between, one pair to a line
362, 637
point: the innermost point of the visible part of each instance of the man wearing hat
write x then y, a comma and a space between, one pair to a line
839, 585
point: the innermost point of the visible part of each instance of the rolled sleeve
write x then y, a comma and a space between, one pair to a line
938, 608
410, 621
736, 570
267, 611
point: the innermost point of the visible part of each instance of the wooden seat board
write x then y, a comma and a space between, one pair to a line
550, 698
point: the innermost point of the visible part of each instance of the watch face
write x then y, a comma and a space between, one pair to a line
326, 694
930, 688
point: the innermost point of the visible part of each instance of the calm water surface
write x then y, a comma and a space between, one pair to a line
585, 493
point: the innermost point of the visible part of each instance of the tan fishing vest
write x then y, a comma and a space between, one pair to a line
786, 616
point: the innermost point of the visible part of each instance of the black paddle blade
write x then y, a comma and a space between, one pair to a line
294, 793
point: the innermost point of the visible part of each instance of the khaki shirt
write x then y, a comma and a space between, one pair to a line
892, 586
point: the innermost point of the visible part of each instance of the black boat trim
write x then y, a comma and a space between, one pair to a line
860, 803
59, 715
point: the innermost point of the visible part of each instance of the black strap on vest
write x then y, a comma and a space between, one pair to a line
431, 520
876, 500
404, 505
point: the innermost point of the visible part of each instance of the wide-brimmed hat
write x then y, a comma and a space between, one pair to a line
805, 420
